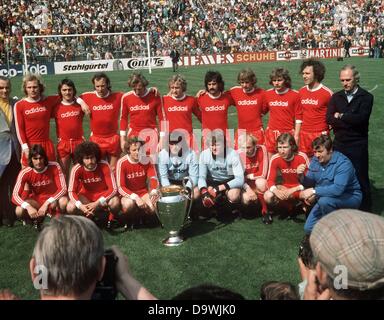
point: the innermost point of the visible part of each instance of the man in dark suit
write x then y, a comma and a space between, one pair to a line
9, 154
348, 113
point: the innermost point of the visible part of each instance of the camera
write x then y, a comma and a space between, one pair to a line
106, 287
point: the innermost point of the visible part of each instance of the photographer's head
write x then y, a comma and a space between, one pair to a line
348, 248
71, 250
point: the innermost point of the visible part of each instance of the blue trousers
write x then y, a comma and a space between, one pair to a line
326, 205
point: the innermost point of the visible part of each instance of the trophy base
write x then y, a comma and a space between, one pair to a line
173, 241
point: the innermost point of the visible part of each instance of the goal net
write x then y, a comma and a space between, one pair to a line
89, 52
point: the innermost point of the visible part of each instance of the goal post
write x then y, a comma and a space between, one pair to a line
87, 47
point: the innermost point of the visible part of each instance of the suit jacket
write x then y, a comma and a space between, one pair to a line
8, 138
352, 128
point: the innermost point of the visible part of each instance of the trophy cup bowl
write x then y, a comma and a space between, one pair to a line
173, 208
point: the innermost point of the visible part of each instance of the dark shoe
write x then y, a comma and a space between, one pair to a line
8, 222
267, 218
112, 224
37, 225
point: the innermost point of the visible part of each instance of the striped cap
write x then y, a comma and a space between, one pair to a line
352, 239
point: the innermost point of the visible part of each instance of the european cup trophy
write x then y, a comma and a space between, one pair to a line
173, 209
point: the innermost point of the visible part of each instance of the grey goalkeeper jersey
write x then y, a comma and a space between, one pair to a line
176, 168
222, 169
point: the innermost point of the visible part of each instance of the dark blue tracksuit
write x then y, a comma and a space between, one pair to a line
336, 187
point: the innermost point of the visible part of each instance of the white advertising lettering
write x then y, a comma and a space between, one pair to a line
252, 165
215, 108
278, 103
290, 170
135, 174
92, 180
103, 107
310, 101
247, 102
177, 108
70, 114
139, 107
34, 110
41, 183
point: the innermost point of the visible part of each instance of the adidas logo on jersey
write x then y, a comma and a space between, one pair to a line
103, 107
310, 101
247, 102
92, 180
41, 183
136, 174
278, 103
34, 110
139, 107
290, 170
249, 166
70, 114
215, 108
177, 108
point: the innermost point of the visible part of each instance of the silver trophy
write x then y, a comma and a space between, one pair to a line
173, 208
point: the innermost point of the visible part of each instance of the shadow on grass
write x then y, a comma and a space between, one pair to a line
200, 227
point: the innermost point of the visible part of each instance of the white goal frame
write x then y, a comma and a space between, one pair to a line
146, 33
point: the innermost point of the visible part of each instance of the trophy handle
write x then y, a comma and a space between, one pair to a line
189, 197
158, 192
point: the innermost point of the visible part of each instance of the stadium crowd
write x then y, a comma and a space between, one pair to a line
193, 26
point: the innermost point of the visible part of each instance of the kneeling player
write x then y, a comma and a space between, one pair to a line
92, 186
40, 188
133, 170
178, 163
283, 166
220, 173
256, 169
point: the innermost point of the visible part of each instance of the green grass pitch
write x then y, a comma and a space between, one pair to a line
240, 255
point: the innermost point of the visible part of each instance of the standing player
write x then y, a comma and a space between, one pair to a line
69, 124
133, 171
141, 106
214, 105
314, 98
104, 116
256, 169
92, 186
285, 112
32, 117
178, 108
285, 194
249, 102
46, 188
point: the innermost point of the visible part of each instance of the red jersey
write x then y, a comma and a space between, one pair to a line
284, 109
287, 169
249, 106
214, 111
93, 184
314, 104
69, 121
48, 184
256, 166
32, 118
179, 112
142, 111
132, 176
105, 112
